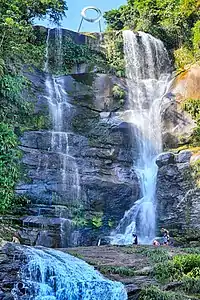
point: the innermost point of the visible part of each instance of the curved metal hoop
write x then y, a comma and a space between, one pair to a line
92, 20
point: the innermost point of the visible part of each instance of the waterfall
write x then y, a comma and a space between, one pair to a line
61, 114
147, 70
54, 275
60, 110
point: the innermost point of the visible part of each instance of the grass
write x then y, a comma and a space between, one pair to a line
75, 254
155, 255
192, 250
154, 293
121, 270
192, 148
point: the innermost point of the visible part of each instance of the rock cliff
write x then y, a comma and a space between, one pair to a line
178, 198
101, 152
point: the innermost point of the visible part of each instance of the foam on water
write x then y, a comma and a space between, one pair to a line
54, 275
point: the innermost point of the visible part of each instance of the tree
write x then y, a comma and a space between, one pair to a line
17, 43
16, 20
170, 20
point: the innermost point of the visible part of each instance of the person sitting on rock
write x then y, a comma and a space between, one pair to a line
15, 238
135, 239
156, 243
165, 236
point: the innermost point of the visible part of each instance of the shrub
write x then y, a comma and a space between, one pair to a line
118, 93
183, 56
176, 269
123, 271
195, 273
193, 250
156, 255
187, 263
196, 39
9, 166
166, 272
154, 293
192, 106
114, 53
191, 285
96, 221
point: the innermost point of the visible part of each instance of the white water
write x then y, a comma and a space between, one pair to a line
147, 66
54, 275
60, 109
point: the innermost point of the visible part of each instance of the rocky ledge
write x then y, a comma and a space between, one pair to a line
145, 271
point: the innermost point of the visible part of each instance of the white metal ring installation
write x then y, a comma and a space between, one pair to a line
91, 20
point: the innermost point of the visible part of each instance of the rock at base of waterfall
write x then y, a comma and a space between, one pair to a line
165, 159
178, 199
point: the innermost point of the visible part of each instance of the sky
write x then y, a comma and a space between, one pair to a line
73, 19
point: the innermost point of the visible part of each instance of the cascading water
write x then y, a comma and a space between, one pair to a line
50, 274
147, 70
53, 275
60, 108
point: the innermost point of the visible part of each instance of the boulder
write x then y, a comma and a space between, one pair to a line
184, 156
165, 159
177, 125
178, 200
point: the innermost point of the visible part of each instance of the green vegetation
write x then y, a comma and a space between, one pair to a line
118, 94
123, 271
192, 106
154, 254
183, 269
154, 293
196, 171
82, 219
14, 110
191, 285
176, 23
75, 54
9, 170
18, 47
183, 57
17, 35
177, 268
111, 223
115, 53
75, 254
96, 220
195, 250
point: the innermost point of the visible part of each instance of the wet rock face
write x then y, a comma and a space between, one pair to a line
11, 261
177, 125
178, 202
101, 151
